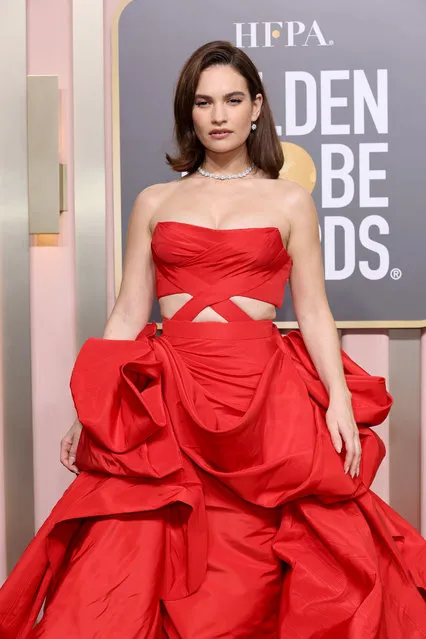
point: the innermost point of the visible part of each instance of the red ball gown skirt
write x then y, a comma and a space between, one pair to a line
212, 504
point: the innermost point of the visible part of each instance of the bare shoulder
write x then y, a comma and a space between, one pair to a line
293, 193
151, 198
296, 201
152, 195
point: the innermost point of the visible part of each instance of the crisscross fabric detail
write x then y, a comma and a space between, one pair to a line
214, 265
216, 295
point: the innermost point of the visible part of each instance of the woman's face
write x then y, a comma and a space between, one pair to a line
222, 103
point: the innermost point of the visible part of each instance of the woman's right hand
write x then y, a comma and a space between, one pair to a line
69, 445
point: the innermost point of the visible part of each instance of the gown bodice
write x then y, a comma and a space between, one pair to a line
213, 265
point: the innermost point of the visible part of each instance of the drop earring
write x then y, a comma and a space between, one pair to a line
253, 126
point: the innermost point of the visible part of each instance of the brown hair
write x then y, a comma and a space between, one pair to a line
263, 145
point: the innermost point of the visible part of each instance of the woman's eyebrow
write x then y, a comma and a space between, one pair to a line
227, 95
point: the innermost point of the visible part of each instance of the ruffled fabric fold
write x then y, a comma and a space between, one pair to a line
156, 436
118, 393
132, 464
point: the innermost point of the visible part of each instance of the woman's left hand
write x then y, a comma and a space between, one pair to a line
341, 425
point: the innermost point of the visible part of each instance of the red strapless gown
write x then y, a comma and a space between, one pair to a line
211, 502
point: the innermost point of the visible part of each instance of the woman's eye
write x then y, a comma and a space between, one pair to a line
233, 100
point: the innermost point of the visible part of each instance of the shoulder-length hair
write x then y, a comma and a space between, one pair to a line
263, 145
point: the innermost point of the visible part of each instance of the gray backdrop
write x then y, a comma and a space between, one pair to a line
346, 83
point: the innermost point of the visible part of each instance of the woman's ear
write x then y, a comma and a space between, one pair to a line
257, 106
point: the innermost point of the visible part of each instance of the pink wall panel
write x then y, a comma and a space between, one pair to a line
3, 568
423, 434
371, 351
52, 271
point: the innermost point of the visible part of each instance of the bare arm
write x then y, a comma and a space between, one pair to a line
309, 297
316, 321
133, 305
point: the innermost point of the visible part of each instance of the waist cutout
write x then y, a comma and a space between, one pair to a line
218, 330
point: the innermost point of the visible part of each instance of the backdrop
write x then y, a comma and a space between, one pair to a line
343, 81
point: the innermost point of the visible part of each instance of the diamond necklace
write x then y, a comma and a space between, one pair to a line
225, 177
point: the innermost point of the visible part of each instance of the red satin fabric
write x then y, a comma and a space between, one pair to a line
211, 502
213, 265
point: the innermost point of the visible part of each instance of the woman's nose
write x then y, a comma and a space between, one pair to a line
218, 114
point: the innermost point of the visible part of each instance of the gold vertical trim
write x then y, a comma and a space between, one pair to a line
116, 163
89, 168
15, 320
63, 187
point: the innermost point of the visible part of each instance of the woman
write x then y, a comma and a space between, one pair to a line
221, 489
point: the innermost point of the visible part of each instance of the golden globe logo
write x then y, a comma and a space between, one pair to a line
251, 35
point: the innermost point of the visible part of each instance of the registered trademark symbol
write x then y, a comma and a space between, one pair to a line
330, 43
396, 273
